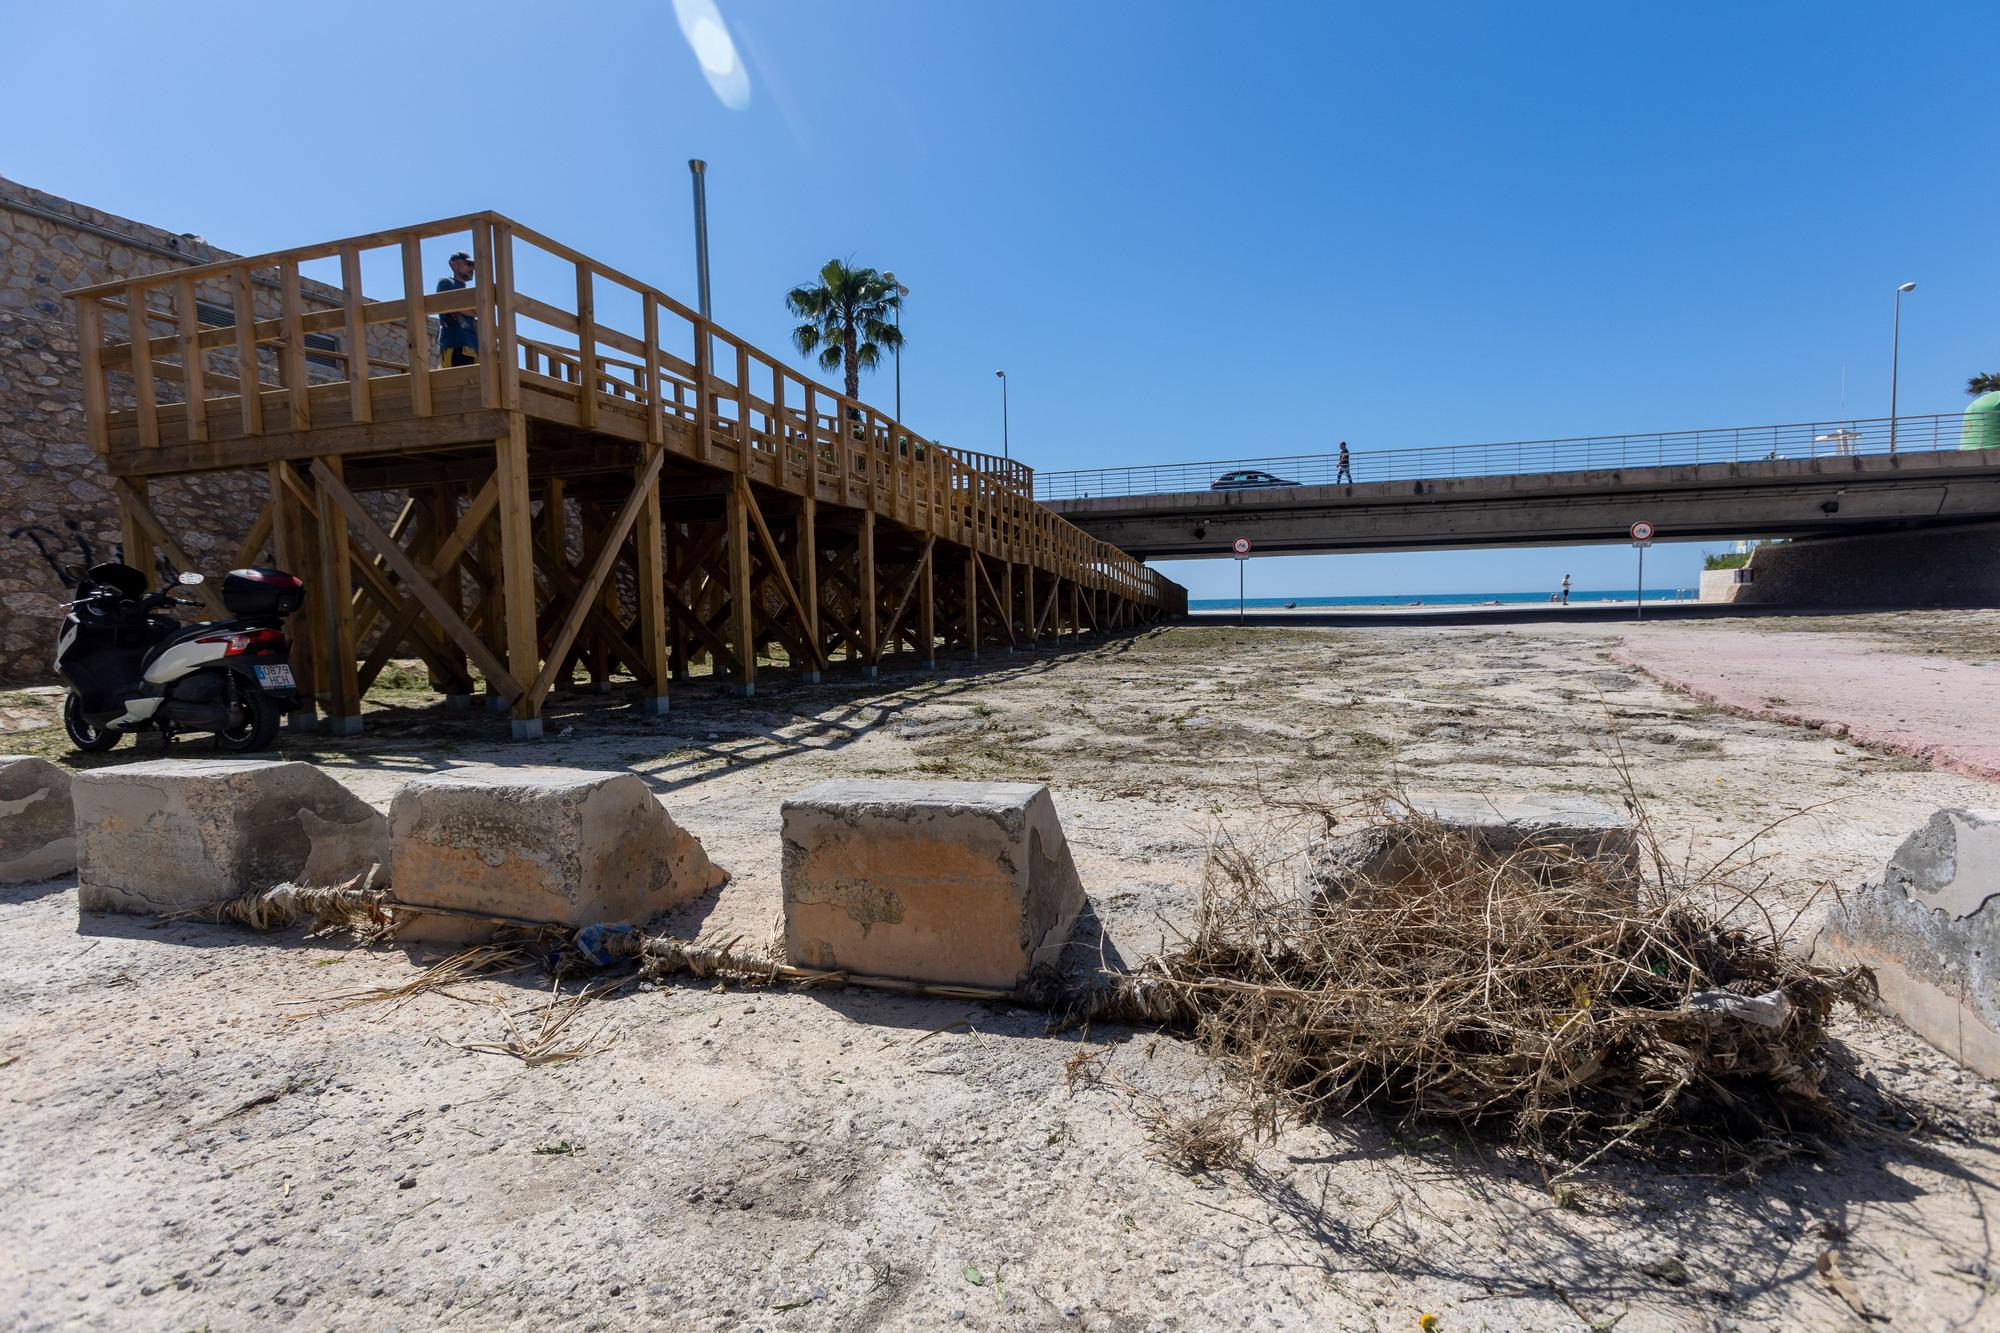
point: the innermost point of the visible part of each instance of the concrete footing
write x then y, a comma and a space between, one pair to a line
967, 883
525, 728
653, 705
1930, 930
171, 835
555, 845
37, 826
1559, 833
343, 726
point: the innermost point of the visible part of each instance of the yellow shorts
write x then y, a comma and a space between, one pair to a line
457, 356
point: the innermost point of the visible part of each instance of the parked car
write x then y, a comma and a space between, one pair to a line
1247, 480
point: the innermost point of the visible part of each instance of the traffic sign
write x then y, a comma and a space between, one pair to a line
1241, 546
1642, 531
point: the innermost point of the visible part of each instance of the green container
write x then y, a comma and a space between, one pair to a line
1981, 427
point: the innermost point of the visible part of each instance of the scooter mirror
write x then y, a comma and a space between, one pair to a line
190, 578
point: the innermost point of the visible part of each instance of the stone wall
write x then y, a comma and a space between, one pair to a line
1957, 567
55, 497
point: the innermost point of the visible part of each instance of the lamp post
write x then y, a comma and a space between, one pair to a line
1895, 360
901, 292
1006, 450
698, 169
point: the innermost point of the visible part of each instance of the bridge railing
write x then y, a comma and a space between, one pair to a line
1736, 444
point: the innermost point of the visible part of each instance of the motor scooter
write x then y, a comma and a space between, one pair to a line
130, 670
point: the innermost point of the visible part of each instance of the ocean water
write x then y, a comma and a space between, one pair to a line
1444, 599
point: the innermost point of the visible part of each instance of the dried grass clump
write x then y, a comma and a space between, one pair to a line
1561, 998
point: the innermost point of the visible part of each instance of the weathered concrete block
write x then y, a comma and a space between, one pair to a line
174, 834
1931, 931
557, 845
966, 883
1557, 832
37, 834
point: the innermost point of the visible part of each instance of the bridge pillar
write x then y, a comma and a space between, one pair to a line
1957, 566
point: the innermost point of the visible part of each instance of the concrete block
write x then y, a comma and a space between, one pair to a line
37, 834
1930, 930
557, 845
1570, 827
965, 883
170, 835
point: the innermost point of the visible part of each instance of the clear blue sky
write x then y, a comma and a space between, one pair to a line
1186, 231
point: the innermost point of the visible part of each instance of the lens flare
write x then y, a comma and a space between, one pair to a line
708, 37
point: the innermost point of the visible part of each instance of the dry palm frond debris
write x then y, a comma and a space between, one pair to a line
544, 1043
1566, 999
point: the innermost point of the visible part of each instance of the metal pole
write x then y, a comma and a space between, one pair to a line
899, 363
1640, 614
698, 169
1240, 562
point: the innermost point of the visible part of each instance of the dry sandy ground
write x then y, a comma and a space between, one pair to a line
193, 1139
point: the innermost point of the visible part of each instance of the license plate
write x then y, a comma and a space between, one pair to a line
276, 678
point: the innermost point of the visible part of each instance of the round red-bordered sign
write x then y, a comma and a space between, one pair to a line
1241, 546
1642, 531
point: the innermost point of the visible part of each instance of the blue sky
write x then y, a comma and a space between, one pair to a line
1185, 231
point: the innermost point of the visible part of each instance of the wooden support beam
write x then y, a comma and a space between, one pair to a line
927, 606
340, 499
193, 370
135, 547
517, 574
871, 639
651, 582
146, 405
1000, 606
417, 327
342, 684
742, 615
293, 355
260, 532
292, 551
442, 571
805, 546
1028, 616
593, 582
775, 562
972, 600
910, 587
1048, 603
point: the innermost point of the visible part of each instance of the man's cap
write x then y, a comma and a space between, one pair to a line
460, 254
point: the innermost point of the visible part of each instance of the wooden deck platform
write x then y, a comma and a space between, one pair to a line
626, 487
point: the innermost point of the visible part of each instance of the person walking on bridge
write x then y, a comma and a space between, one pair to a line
458, 331
1345, 473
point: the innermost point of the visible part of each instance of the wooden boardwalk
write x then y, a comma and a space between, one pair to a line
626, 488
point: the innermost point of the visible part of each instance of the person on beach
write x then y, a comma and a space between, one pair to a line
1565, 600
1345, 472
458, 331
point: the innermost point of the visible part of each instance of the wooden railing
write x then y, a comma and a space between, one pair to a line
303, 347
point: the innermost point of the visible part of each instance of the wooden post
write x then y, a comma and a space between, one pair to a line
417, 327
676, 561
343, 688
193, 367
517, 574
135, 545
652, 575
805, 554
871, 596
292, 550
1028, 603
141, 331
443, 504
927, 610
1007, 599
972, 601
555, 538
360, 400
249, 373
742, 615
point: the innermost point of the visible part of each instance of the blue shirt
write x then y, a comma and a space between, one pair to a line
456, 329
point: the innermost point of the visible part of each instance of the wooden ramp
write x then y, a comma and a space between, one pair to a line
626, 487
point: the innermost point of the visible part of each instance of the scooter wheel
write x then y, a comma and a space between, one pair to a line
259, 728
90, 739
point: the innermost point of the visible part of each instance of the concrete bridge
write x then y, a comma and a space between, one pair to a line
1800, 480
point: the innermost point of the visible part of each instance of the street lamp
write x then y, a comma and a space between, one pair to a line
901, 292
1895, 359
699, 170
1006, 451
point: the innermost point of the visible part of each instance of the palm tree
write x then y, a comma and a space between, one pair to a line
1987, 383
846, 318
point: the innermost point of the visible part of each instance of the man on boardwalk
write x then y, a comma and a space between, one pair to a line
1346, 472
458, 332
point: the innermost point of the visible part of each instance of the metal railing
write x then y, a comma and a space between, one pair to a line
1738, 444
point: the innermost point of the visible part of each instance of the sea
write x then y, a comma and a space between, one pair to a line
1443, 599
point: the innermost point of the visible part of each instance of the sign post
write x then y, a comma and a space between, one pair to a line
1642, 537
1242, 548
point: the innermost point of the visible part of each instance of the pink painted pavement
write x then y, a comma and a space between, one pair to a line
1932, 707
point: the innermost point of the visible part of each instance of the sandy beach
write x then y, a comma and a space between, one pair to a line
834, 1160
